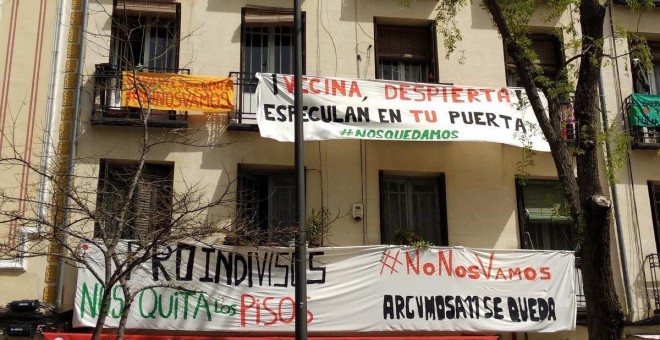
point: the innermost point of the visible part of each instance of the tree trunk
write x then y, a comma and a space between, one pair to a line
605, 318
103, 313
128, 299
604, 315
589, 208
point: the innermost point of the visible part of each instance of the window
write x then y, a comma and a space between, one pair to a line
266, 205
542, 216
413, 204
648, 81
149, 210
544, 223
145, 35
145, 38
267, 40
406, 53
550, 58
654, 194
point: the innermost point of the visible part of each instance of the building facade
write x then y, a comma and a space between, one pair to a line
471, 194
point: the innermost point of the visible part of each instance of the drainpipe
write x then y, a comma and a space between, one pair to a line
615, 199
72, 153
55, 81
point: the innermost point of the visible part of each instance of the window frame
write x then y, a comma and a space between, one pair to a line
523, 218
654, 200
439, 182
151, 10
263, 172
272, 11
431, 59
653, 75
165, 172
558, 46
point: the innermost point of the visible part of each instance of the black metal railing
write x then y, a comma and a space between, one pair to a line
645, 137
653, 292
108, 109
642, 126
244, 116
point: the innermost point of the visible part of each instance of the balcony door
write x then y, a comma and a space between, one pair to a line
146, 36
544, 222
267, 39
404, 52
266, 205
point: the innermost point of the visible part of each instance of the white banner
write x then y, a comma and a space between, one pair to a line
336, 108
349, 289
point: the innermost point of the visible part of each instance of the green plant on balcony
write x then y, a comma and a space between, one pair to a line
410, 238
317, 226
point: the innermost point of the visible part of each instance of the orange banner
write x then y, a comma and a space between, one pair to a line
179, 92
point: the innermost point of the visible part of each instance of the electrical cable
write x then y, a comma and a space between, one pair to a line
332, 40
621, 105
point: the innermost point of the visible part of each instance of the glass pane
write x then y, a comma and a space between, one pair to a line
248, 199
411, 204
282, 206
283, 50
656, 196
547, 226
282, 213
425, 214
543, 200
551, 236
414, 72
394, 205
255, 54
655, 79
157, 53
388, 70
132, 53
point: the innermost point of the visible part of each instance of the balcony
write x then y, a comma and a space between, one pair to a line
644, 120
653, 292
108, 110
244, 117
645, 137
650, 277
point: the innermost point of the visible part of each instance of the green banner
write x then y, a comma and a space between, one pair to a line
645, 110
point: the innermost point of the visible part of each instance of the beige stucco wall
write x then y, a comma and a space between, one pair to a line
26, 40
336, 170
634, 206
480, 191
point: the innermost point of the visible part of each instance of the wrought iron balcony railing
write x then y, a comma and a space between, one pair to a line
244, 117
645, 137
653, 292
108, 109
644, 120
